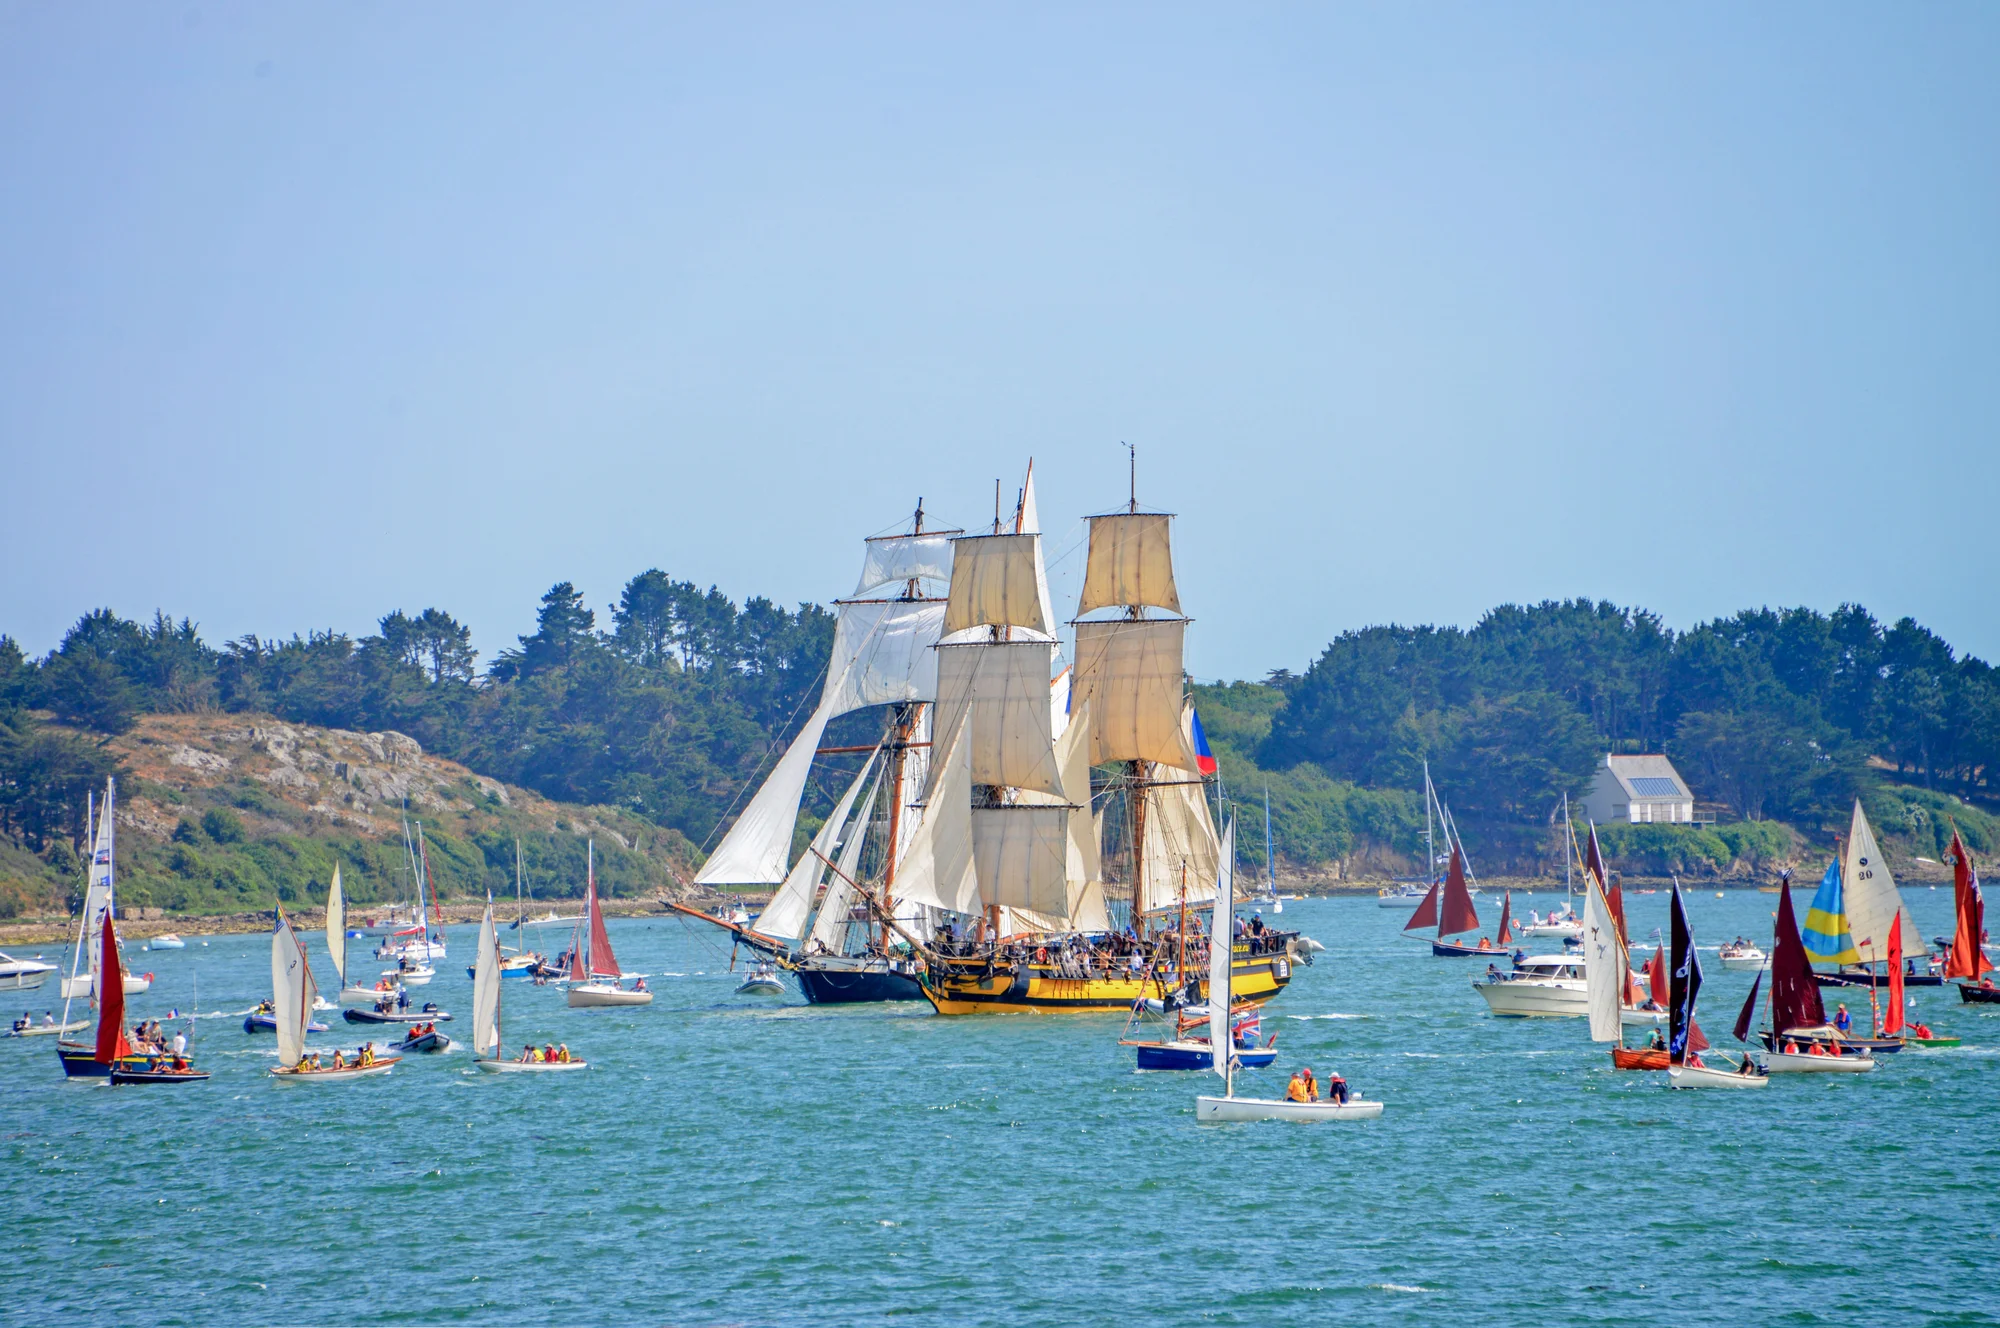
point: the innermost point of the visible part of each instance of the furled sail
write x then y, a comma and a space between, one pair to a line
291, 992
936, 867
1131, 562
1180, 845
1129, 673
784, 918
336, 926
897, 559
1020, 855
486, 988
1002, 689
996, 581
829, 931
882, 654
1874, 905
758, 847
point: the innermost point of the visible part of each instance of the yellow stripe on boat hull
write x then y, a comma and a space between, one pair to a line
1253, 981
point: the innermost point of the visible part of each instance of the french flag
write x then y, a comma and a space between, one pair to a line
1204, 759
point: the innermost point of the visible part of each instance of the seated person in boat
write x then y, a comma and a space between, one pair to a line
1486, 943
1842, 1020
1747, 1067
339, 1061
1296, 1090
1921, 1032
367, 1056
562, 1054
1659, 1042
1336, 1088
48, 1019
638, 984
305, 1063
1492, 973
27, 1020
528, 1054
548, 1052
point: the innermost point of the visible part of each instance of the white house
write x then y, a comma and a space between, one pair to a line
1639, 789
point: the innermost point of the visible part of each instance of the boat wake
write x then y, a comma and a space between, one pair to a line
1304, 1017
1401, 1289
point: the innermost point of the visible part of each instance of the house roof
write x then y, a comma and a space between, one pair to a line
1648, 778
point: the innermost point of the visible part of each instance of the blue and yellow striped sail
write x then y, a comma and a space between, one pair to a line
1826, 936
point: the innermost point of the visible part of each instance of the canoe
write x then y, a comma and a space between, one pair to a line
137, 1076
530, 1067
1701, 1076
587, 995
293, 1075
1978, 995
1638, 1058
1221, 1110
396, 1017
1784, 1062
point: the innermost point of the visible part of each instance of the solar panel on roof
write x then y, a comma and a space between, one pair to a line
1653, 786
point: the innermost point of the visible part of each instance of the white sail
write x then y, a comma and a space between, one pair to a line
97, 895
1603, 963
1020, 855
1073, 756
936, 868
1002, 687
829, 929
1130, 675
486, 988
291, 992
997, 581
1180, 846
1131, 561
894, 560
758, 848
1874, 904
336, 926
784, 918
882, 654
1221, 942
1090, 915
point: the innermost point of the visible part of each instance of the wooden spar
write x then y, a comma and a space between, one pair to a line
888, 919
869, 747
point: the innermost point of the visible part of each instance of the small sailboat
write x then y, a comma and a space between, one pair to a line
99, 901
1457, 914
1684, 1039
1794, 1004
761, 980
1965, 961
292, 993
523, 962
486, 1011
594, 972
114, 1051
1223, 1058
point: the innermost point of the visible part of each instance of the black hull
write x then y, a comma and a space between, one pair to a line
1972, 995
847, 987
1866, 980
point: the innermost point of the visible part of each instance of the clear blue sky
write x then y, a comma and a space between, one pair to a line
312, 312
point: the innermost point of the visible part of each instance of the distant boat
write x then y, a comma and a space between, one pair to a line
761, 981
166, 941
24, 974
594, 973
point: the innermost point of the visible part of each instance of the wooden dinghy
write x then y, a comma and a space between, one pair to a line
1939, 1043
1981, 994
530, 1067
1638, 1058
292, 1074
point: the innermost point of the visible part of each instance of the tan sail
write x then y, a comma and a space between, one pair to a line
1131, 562
1002, 689
1874, 904
1129, 674
1181, 847
996, 581
936, 866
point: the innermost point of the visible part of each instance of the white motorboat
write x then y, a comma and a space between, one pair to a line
1404, 897
169, 941
1540, 985
1799, 1062
412, 975
26, 974
1701, 1076
1633, 1017
1220, 1110
78, 987
1558, 928
416, 950
367, 995
588, 995
1745, 959
761, 981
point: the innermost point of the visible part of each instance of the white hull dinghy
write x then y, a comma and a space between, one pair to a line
486, 1010
417, 975
293, 1075
1223, 1110
43, 1030
1747, 959
366, 995
1701, 1076
1799, 1062
292, 998
594, 971
79, 987
167, 942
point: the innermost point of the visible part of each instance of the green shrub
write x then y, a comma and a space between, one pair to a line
1659, 850
222, 825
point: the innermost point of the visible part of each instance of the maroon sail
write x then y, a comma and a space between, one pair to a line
1795, 999
602, 963
1426, 914
1505, 935
1459, 914
1748, 1015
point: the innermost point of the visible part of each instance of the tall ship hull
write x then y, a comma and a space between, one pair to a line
855, 980
964, 987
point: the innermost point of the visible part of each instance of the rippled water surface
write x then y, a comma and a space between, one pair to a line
730, 1160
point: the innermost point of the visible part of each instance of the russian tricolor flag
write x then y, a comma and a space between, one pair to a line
1204, 759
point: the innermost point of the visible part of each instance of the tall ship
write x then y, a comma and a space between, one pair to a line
1011, 821
841, 948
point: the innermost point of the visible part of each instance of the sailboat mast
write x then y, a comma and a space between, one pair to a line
83, 918
1270, 863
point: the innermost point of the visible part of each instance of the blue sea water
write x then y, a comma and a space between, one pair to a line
736, 1160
